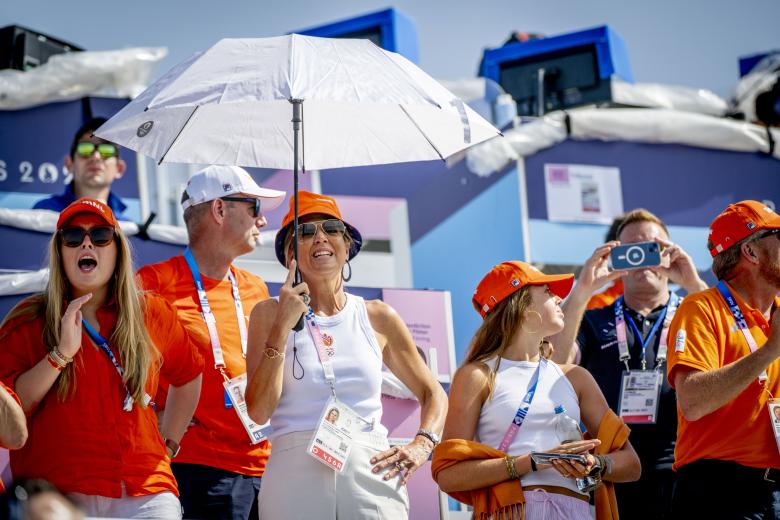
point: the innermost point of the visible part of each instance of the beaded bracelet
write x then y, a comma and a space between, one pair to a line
54, 363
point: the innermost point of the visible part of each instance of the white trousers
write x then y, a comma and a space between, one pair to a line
163, 506
296, 486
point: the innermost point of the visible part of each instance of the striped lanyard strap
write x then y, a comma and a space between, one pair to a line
736, 312
210, 319
522, 411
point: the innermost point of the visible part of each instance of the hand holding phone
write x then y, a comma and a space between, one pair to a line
639, 255
545, 457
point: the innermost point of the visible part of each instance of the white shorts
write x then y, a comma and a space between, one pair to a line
541, 505
296, 486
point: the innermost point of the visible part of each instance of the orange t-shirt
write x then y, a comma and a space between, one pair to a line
11, 392
607, 296
704, 336
87, 443
217, 438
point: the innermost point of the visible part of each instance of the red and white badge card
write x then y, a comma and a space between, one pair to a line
332, 440
639, 395
774, 416
236, 390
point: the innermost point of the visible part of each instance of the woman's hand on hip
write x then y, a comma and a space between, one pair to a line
410, 457
70, 327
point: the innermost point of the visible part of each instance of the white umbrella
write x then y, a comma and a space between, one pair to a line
232, 105
355, 104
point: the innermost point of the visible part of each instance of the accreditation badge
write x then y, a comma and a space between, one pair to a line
235, 389
774, 416
639, 396
332, 440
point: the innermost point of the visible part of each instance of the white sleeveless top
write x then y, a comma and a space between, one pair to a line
357, 365
537, 432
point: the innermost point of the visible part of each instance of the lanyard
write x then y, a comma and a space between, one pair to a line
511, 432
208, 316
665, 318
741, 323
103, 344
325, 349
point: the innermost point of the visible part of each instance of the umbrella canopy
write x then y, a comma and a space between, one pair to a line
232, 104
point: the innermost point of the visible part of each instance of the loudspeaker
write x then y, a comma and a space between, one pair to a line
25, 49
568, 70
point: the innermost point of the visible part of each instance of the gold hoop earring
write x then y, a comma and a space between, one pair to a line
541, 321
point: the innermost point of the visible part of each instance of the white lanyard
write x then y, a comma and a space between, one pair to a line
208, 316
741, 323
622, 337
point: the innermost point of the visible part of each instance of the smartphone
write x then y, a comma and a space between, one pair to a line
635, 256
545, 457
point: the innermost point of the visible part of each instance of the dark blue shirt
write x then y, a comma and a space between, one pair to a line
59, 202
597, 339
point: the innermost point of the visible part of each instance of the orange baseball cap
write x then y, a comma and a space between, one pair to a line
311, 204
86, 205
739, 221
509, 277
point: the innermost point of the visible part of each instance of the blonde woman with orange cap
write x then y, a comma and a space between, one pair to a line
84, 357
503, 404
343, 469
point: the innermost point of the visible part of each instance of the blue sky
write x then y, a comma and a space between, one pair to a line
688, 42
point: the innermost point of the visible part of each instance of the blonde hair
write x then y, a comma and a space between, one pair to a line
137, 353
497, 331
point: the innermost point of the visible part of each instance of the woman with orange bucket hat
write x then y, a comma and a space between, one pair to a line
342, 469
508, 400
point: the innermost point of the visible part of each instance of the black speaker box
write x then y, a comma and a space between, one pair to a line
25, 49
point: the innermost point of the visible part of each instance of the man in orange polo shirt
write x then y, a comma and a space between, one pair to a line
725, 368
221, 461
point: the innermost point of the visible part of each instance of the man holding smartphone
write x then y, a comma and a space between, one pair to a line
623, 346
724, 365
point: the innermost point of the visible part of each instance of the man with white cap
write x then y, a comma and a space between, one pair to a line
223, 454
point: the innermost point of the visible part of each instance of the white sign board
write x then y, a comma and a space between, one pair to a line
582, 193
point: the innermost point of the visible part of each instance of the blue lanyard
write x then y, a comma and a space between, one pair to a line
664, 319
522, 411
103, 345
739, 317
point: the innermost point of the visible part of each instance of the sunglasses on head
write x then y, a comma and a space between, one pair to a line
106, 150
252, 200
332, 227
100, 236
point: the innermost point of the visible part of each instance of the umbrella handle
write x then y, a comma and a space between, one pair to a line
298, 326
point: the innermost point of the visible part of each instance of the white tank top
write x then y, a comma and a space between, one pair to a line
357, 365
537, 432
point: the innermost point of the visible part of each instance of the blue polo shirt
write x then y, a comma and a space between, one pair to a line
59, 202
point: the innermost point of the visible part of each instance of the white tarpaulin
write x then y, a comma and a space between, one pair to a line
645, 125
65, 77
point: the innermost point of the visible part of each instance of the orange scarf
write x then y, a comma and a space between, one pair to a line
505, 499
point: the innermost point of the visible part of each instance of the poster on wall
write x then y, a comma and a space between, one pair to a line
428, 316
582, 193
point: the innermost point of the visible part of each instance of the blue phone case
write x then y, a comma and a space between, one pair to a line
635, 256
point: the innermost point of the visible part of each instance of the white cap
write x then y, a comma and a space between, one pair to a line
219, 181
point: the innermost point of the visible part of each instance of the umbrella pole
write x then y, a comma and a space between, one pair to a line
296, 121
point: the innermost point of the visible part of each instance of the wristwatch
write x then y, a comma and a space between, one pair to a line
431, 436
173, 446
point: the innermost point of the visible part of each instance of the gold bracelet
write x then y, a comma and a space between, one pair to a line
271, 353
510, 467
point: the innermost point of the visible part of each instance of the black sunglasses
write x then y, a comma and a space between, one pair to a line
106, 150
768, 233
332, 227
252, 200
100, 236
